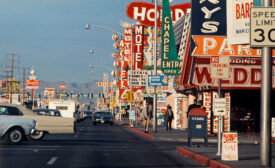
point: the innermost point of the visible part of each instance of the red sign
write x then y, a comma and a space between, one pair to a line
63, 86
49, 92
218, 46
144, 12
127, 43
138, 47
240, 77
32, 83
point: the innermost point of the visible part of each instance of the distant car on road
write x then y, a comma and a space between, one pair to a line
48, 112
103, 117
88, 114
45, 124
14, 129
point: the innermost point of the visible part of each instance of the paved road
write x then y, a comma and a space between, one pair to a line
93, 146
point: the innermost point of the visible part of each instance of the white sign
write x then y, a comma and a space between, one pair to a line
139, 77
219, 106
132, 115
262, 32
219, 66
273, 127
230, 146
238, 21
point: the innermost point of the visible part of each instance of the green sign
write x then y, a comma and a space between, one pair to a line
257, 3
170, 64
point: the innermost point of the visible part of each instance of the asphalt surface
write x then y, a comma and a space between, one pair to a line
93, 146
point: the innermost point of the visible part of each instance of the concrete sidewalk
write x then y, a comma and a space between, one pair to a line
249, 148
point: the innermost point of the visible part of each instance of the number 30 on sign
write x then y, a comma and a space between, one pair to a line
262, 31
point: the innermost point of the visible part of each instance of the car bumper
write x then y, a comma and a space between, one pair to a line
33, 131
104, 121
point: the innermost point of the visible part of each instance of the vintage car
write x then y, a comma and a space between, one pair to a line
103, 117
48, 112
14, 129
45, 124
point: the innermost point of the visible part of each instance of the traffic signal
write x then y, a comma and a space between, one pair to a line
101, 95
80, 95
90, 95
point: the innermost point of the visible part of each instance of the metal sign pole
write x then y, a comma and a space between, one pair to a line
220, 123
131, 84
155, 69
266, 89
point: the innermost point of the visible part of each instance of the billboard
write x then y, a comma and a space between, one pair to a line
170, 64
208, 19
138, 47
238, 23
144, 12
11, 86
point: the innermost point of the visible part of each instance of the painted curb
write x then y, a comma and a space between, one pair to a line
146, 135
135, 130
118, 123
202, 159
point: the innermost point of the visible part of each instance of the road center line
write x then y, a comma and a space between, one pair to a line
52, 160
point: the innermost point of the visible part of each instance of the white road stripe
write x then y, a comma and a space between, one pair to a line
35, 150
52, 160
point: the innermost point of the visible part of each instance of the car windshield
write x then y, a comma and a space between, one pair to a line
102, 113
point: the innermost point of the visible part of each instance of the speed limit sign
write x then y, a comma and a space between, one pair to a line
262, 27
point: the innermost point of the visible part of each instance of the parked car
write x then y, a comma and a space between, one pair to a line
45, 124
88, 114
48, 112
103, 117
14, 129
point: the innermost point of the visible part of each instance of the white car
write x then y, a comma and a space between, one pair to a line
45, 124
14, 129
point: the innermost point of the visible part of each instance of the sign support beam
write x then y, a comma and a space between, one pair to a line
155, 69
266, 107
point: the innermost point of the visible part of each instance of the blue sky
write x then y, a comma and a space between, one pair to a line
50, 35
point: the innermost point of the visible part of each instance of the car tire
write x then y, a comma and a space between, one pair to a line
14, 136
38, 136
94, 123
111, 123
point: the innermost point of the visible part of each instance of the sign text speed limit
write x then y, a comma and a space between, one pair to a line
262, 27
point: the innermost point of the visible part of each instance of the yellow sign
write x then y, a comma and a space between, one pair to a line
11, 86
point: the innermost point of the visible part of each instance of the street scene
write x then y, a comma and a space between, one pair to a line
126, 83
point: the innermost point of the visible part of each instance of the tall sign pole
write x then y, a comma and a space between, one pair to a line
155, 67
260, 36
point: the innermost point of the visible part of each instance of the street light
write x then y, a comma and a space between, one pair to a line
88, 27
91, 51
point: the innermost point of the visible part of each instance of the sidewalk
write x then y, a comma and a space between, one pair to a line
249, 148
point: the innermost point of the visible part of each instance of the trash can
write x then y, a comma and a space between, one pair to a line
197, 125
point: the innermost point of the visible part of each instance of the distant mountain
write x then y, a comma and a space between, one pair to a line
74, 87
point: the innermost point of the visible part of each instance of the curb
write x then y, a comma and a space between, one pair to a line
135, 130
118, 123
146, 135
202, 159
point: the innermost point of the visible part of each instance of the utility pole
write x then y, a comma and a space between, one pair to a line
10, 73
24, 69
155, 69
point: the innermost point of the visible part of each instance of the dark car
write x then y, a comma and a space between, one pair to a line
88, 114
103, 117
48, 112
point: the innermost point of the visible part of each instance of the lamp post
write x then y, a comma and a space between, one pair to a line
88, 27
155, 69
